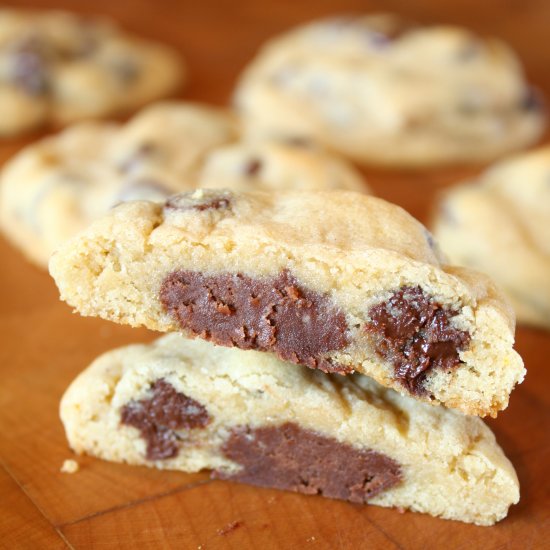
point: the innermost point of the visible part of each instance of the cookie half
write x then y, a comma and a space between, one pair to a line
57, 67
59, 185
385, 91
336, 281
499, 224
187, 405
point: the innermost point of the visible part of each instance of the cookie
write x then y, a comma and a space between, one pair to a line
56, 187
336, 281
186, 405
57, 67
499, 224
384, 91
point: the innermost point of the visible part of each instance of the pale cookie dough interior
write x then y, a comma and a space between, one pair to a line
384, 91
186, 405
329, 276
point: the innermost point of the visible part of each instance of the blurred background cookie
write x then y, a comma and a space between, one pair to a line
56, 68
382, 90
54, 188
500, 224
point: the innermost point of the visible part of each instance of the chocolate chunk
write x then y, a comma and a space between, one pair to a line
202, 199
253, 167
415, 334
158, 416
272, 314
29, 67
295, 459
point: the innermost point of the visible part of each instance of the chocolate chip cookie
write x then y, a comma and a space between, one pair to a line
336, 281
187, 405
57, 67
499, 224
386, 91
56, 187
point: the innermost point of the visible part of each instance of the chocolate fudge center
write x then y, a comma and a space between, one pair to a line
415, 334
292, 458
158, 416
272, 314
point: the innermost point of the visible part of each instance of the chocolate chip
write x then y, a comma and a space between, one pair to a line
430, 239
126, 69
143, 190
415, 334
297, 141
202, 199
469, 51
158, 416
142, 153
292, 458
253, 167
268, 314
29, 67
531, 101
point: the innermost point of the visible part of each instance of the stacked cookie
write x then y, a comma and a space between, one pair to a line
319, 343
333, 283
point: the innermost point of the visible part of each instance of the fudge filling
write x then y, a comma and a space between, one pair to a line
158, 416
416, 335
272, 314
295, 459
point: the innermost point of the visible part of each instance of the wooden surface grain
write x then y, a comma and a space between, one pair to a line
43, 346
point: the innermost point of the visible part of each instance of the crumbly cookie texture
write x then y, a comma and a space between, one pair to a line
186, 405
499, 224
57, 67
337, 281
56, 187
384, 91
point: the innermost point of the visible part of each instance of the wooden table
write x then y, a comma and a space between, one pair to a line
43, 346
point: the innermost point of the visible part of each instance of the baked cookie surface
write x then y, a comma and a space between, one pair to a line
57, 67
384, 91
56, 187
499, 224
336, 281
187, 405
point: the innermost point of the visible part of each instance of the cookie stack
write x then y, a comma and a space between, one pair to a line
320, 285
319, 341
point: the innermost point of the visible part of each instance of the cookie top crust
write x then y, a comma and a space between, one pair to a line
386, 91
498, 224
57, 67
57, 186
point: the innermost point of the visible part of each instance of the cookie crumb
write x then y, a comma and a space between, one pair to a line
310, 539
69, 466
230, 527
